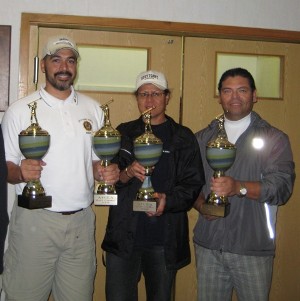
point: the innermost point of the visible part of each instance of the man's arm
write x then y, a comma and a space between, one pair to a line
229, 186
28, 170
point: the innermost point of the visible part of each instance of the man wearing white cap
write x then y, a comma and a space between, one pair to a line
155, 244
53, 249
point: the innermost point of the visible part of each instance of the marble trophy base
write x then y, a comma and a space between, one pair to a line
145, 206
145, 201
105, 199
219, 210
105, 195
37, 202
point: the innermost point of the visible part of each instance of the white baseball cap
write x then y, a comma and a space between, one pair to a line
57, 43
152, 77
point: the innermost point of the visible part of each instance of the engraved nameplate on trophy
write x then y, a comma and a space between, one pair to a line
106, 143
220, 155
147, 150
34, 143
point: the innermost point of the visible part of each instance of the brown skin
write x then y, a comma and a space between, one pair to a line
158, 114
157, 117
237, 100
60, 71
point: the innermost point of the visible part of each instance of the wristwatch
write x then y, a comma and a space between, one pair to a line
243, 189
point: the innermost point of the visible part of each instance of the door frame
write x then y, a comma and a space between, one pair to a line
33, 20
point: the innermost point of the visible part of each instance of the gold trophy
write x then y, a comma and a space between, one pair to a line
34, 144
147, 150
220, 155
106, 143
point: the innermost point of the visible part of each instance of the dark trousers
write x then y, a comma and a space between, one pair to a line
123, 275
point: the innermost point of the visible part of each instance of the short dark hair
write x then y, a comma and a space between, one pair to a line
237, 72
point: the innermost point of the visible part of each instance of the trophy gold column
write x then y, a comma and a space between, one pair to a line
147, 150
106, 143
220, 155
34, 143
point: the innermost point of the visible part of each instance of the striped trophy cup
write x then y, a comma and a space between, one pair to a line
220, 155
147, 150
106, 143
34, 143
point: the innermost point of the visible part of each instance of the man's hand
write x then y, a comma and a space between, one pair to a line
225, 186
161, 204
31, 169
136, 170
198, 206
110, 174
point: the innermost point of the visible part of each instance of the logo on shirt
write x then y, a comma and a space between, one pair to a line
87, 125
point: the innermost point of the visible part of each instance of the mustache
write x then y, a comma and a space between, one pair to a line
63, 73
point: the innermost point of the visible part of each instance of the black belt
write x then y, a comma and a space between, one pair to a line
69, 212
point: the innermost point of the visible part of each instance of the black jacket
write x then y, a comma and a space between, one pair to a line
185, 182
3, 200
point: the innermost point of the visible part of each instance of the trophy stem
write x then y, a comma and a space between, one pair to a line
219, 173
145, 200
104, 188
146, 192
213, 198
33, 189
147, 183
104, 163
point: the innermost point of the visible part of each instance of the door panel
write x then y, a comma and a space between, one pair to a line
200, 107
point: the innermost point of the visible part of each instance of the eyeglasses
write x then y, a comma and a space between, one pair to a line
154, 95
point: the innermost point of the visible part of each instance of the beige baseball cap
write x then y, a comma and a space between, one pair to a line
152, 77
57, 43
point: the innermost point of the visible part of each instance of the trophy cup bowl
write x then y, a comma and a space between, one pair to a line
34, 143
106, 143
220, 155
147, 150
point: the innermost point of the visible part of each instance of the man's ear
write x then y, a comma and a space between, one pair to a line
254, 98
167, 98
42, 65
